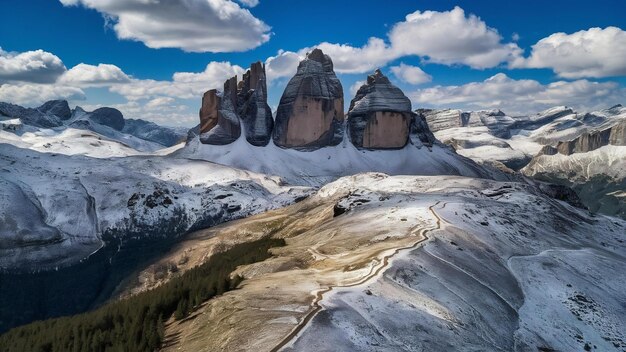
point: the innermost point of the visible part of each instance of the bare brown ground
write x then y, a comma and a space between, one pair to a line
280, 295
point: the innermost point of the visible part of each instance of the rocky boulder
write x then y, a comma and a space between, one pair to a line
380, 115
252, 106
109, 117
310, 113
219, 123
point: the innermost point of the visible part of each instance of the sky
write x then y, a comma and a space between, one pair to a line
153, 59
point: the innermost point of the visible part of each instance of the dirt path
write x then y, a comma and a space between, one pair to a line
319, 295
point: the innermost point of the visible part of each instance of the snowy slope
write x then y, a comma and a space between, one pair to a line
56, 209
489, 137
510, 270
323, 165
408, 263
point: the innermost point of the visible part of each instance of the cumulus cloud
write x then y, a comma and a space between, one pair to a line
185, 85
411, 74
594, 52
36, 66
85, 75
447, 37
348, 59
36, 94
191, 25
520, 96
451, 37
355, 87
160, 102
284, 64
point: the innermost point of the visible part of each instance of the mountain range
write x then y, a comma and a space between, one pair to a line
471, 230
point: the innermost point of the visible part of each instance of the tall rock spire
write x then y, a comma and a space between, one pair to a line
310, 113
252, 106
219, 123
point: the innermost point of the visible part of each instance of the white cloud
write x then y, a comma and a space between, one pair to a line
160, 102
448, 37
355, 87
411, 74
520, 96
36, 66
172, 113
249, 3
36, 94
191, 25
348, 59
284, 64
594, 52
85, 75
451, 37
185, 85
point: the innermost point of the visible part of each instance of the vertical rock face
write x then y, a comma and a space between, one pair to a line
310, 113
586, 142
252, 106
219, 123
244, 102
58, 108
380, 115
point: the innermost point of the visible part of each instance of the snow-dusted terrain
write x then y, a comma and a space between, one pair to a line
509, 270
317, 167
416, 263
57, 208
586, 151
451, 260
69, 189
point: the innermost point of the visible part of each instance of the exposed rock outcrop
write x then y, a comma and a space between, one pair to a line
380, 115
219, 123
252, 106
586, 142
496, 120
243, 103
109, 117
30, 116
310, 113
150, 131
58, 108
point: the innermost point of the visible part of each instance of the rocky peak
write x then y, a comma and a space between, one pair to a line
377, 77
252, 106
243, 102
380, 115
109, 117
58, 108
310, 113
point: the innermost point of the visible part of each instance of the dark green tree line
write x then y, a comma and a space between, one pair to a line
136, 323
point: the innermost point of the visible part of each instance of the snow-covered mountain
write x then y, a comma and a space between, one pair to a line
57, 209
54, 127
586, 151
402, 263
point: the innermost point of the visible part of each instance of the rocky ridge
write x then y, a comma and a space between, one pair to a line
310, 114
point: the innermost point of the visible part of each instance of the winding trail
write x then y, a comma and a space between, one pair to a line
319, 295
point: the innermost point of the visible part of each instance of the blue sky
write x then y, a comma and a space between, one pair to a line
460, 54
